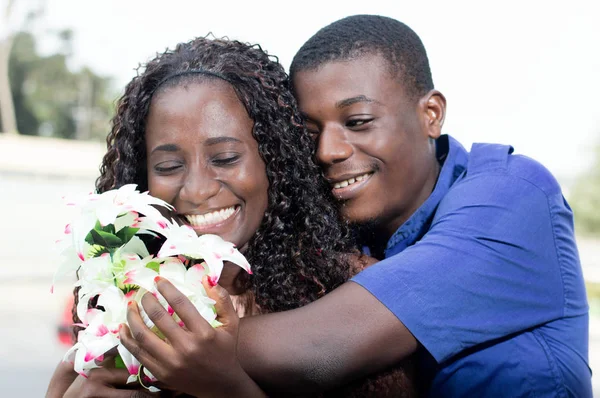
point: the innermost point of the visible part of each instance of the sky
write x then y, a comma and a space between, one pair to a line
524, 73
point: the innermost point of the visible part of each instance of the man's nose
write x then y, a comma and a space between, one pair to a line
200, 184
333, 146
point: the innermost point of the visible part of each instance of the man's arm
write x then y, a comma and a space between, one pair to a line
499, 258
340, 337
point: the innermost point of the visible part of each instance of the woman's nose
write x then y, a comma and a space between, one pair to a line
200, 184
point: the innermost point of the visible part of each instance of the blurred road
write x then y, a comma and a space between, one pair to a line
33, 217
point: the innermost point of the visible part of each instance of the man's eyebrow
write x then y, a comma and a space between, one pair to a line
220, 140
166, 148
353, 100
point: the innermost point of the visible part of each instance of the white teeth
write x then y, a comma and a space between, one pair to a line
215, 217
345, 183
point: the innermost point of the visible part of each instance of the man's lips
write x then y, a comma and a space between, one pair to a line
350, 186
348, 179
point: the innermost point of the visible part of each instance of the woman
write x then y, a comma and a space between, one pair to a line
213, 129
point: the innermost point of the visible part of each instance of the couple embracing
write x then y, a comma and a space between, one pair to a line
387, 260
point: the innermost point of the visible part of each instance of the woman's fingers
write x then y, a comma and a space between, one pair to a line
162, 318
111, 376
98, 387
63, 377
224, 306
142, 342
183, 307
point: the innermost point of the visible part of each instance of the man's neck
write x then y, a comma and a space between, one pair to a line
376, 234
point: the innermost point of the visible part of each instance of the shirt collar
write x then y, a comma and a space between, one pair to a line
453, 158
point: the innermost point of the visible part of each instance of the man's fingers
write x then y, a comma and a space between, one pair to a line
183, 307
225, 311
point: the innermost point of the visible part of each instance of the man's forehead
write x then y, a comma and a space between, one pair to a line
344, 83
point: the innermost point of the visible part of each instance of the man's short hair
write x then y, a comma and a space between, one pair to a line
359, 35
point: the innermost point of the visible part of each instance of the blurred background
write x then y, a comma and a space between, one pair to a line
523, 73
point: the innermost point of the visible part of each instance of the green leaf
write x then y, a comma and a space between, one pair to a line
110, 228
153, 265
89, 239
119, 364
105, 239
126, 233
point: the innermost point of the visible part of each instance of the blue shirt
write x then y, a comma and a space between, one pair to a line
486, 276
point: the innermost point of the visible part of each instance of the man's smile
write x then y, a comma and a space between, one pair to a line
347, 186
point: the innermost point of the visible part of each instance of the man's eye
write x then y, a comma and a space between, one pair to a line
357, 123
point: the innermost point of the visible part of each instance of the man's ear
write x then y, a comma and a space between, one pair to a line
433, 107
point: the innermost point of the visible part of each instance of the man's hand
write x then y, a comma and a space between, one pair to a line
199, 360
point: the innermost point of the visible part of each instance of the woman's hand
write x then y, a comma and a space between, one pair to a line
199, 360
102, 382
106, 383
62, 378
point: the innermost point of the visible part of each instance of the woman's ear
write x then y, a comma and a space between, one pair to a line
433, 105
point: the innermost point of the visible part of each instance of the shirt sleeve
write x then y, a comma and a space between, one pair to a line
488, 267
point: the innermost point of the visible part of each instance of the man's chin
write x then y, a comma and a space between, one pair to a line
366, 229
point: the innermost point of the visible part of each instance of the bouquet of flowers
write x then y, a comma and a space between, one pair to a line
107, 247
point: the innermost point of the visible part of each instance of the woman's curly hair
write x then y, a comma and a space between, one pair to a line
297, 252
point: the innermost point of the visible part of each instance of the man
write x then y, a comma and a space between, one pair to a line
480, 276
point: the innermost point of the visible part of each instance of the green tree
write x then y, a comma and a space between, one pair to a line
585, 199
8, 122
14, 16
52, 100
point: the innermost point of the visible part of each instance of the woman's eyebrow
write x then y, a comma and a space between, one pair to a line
220, 140
166, 148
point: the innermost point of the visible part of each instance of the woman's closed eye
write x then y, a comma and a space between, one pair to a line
166, 167
226, 159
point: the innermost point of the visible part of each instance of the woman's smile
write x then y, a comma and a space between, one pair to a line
212, 220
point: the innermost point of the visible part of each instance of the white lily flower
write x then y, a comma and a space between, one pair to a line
120, 207
151, 378
111, 276
188, 281
78, 354
102, 331
131, 363
182, 240
108, 205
